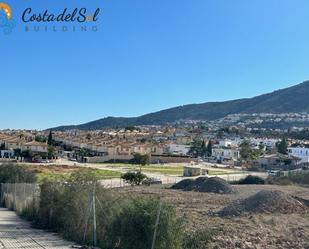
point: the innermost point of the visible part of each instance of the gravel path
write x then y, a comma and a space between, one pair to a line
16, 233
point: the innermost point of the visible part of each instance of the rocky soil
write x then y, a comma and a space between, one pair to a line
265, 201
269, 228
205, 184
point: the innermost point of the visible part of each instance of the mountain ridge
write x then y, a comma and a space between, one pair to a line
290, 99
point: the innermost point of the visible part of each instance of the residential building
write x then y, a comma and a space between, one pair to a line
301, 152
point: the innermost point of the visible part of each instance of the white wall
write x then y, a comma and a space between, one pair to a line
300, 152
178, 149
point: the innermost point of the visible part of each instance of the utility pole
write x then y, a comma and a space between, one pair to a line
94, 218
156, 226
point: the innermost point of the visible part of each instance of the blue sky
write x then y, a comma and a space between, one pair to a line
147, 56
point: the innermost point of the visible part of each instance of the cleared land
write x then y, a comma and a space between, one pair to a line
257, 230
168, 169
64, 171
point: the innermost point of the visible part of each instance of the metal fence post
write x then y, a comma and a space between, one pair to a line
94, 218
156, 226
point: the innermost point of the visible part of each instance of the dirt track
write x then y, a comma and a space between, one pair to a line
17, 233
261, 231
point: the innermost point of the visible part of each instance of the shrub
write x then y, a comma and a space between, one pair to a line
251, 180
65, 206
140, 159
134, 226
13, 173
198, 239
293, 178
134, 178
122, 221
281, 180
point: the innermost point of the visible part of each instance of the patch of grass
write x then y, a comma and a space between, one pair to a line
152, 168
106, 174
51, 176
167, 170
101, 174
177, 171
130, 165
222, 172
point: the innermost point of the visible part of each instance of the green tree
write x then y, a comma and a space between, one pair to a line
140, 159
209, 148
40, 139
282, 146
27, 154
50, 151
131, 128
261, 147
220, 133
245, 150
50, 138
17, 152
134, 178
196, 147
134, 226
2, 146
204, 151
199, 149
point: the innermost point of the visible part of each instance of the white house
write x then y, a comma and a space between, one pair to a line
270, 143
226, 153
225, 143
35, 147
301, 152
178, 149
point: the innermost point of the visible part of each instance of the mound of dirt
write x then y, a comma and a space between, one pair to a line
185, 184
265, 201
205, 184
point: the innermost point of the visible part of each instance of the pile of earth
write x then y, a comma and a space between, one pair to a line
265, 201
205, 184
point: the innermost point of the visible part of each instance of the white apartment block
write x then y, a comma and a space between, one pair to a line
300, 152
178, 149
226, 153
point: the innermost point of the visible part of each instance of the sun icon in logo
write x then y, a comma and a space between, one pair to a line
7, 23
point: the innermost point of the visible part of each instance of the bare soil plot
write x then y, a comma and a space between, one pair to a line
270, 229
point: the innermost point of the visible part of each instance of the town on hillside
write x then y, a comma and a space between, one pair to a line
189, 143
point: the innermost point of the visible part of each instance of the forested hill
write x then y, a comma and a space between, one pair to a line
292, 99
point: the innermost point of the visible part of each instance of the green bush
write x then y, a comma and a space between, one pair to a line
65, 206
140, 159
134, 226
13, 173
122, 221
198, 239
251, 180
134, 178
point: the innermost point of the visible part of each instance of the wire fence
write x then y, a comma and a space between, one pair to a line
20, 196
93, 207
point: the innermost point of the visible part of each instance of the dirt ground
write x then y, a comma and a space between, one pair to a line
52, 168
260, 231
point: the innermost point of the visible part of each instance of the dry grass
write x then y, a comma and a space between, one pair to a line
269, 231
64, 171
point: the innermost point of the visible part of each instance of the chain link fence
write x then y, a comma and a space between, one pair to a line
93, 214
20, 196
